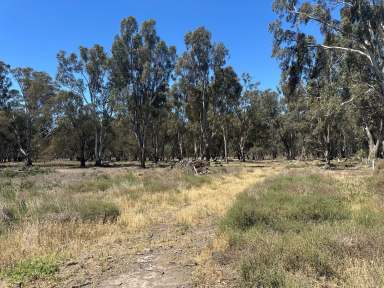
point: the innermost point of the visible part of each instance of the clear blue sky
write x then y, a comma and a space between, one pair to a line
33, 31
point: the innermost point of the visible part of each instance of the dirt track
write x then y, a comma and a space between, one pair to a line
167, 254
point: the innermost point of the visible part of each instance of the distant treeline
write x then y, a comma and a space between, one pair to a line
144, 102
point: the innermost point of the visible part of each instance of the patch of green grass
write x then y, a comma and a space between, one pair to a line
32, 269
280, 210
299, 230
265, 275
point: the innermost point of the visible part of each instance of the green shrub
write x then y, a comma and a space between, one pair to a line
260, 272
247, 212
30, 269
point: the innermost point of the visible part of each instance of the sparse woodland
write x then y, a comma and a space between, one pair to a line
219, 205
143, 101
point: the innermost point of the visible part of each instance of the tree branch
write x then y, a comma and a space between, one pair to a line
347, 50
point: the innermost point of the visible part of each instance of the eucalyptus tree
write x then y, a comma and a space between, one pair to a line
179, 117
73, 135
370, 115
196, 67
142, 65
264, 112
226, 90
288, 131
242, 122
323, 98
86, 75
6, 138
31, 115
350, 27
5, 85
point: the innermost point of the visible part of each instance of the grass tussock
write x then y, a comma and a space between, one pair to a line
304, 230
31, 269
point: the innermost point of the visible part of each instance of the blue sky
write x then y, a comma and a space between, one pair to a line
33, 31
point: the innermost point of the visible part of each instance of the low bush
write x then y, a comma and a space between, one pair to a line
31, 269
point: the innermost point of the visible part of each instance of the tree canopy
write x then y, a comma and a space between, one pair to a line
144, 102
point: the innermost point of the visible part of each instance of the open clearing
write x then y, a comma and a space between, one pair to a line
167, 219
163, 227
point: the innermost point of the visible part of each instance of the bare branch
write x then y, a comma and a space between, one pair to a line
348, 101
347, 50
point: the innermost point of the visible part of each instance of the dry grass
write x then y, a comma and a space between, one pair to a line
47, 206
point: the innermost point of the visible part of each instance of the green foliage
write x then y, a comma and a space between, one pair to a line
197, 100
32, 269
131, 66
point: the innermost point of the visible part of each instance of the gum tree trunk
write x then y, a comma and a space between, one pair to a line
180, 142
242, 149
327, 150
225, 145
373, 144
